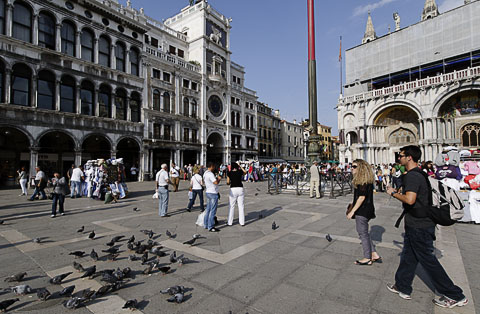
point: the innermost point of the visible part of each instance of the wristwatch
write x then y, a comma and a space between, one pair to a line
393, 193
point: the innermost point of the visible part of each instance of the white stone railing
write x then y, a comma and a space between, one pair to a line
165, 28
185, 12
244, 89
237, 66
173, 59
415, 85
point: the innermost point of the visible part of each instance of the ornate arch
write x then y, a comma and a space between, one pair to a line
394, 103
109, 140
22, 130
445, 96
68, 133
129, 137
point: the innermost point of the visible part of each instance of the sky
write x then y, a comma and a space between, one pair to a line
269, 38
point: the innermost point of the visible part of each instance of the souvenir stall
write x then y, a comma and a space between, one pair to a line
105, 179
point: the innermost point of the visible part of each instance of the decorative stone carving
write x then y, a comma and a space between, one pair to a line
396, 17
216, 36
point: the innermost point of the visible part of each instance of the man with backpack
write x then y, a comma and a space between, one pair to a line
419, 235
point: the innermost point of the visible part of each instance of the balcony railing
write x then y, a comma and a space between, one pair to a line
172, 59
244, 89
163, 27
191, 140
442, 79
168, 138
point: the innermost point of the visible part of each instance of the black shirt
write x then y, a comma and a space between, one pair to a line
416, 216
367, 209
235, 178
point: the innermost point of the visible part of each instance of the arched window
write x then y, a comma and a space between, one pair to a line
186, 105
104, 104
68, 38
2, 75
2, 17
86, 95
22, 22
121, 104
104, 51
134, 62
156, 100
46, 90
46, 31
135, 107
67, 94
166, 102
87, 45
194, 108
232, 118
470, 135
120, 56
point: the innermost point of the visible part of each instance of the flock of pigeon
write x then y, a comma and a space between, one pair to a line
149, 253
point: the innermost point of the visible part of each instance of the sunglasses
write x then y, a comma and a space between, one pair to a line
355, 167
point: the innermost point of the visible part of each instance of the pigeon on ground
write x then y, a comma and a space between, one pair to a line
107, 271
5, 304
328, 237
118, 274
111, 250
131, 304
20, 289
150, 234
177, 298
109, 278
92, 235
94, 255
173, 290
258, 189
146, 232
256, 194
132, 239
131, 246
118, 285
274, 226
66, 292
148, 270
73, 303
1, 222
168, 234
17, 277
58, 279
144, 258
102, 291
182, 260
126, 271
37, 240
190, 242
117, 238
87, 294
89, 271
78, 267
82, 228
43, 294
173, 257
77, 254
110, 244
112, 257
164, 269
133, 258
136, 209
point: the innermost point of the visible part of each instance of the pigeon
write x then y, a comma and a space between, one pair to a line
182, 260
43, 294
150, 234
164, 269
94, 255
66, 292
144, 258
173, 290
131, 304
173, 257
5, 304
168, 234
77, 254
82, 228
58, 279
109, 278
274, 226
196, 236
1, 222
256, 194
133, 258
102, 291
92, 235
89, 271
118, 274
110, 244
107, 271
131, 246
190, 242
148, 270
112, 257
126, 271
177, 298
132, 239
118, 285
258, 189
136, 209
87, 294
78, 267
73, 303
37, 240
328, 237
111, 250
17, 277
20, 289
146, 232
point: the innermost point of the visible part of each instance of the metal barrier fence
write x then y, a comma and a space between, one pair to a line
333, 185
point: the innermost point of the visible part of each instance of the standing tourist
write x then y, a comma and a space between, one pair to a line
23, 179
237, 195
175, 177
162, 182
59, 191
211, 184
133, 173
196, 186
314, 180
76, 182
363, 209
40, 184
419, 236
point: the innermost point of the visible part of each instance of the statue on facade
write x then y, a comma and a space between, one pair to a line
129, 4
192, 3
396, 17
216, 35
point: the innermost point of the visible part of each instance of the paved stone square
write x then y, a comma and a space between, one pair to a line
250, 269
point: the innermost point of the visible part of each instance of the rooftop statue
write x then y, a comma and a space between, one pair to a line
396, 17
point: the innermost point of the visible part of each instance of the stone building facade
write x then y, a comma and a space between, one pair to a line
292, 147
418, 85
269, 134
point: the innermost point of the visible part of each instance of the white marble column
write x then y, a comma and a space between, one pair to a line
7, 91
33, 92
58, 38
33, 160
35, 30
78, 45
127, 60
95, 50
78, 156
57, 95
8, 19
78, 99
113, 59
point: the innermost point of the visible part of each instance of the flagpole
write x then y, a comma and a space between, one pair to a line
340, 59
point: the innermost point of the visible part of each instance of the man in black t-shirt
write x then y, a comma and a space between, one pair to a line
419, 236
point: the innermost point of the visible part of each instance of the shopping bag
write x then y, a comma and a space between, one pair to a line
190, 195
155, 196
200, 219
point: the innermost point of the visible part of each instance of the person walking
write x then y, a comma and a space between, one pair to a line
59, 191
40, 184
76, 182
237, 194
211, 184
162, 182
196, 186
419, 236
175, 176
363, 209
314, 180
23, 179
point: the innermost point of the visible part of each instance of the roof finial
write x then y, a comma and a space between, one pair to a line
430, 10
369, 31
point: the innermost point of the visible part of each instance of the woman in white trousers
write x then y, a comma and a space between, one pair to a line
23, 179
237, 195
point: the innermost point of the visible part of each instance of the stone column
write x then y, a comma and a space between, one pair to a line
33, 160
78, 100
143, 161
58, 38
7, 92
113, 60
453, 129
127, 60
422, 132
33, 92
35, 30
78, 156
95, 50
8, 19
150, 163
57, 95
113, 104
78, 44
129, 112
95, 103
113, 153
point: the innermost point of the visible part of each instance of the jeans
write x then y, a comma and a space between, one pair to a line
162, 201
75, 187
60, 198
418, 248
362, 229
212, 202
38, 191
236, 196
194, 197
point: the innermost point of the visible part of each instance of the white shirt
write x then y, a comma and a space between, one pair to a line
40, 175
196, 182
76, 175
133, 170
174, 172
209, 178
162, 178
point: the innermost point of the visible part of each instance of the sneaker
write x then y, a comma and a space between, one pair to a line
393, 288
214, 230
53, 216
62, 214
445, 301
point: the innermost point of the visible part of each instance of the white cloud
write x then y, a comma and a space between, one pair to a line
360, 10
447, 5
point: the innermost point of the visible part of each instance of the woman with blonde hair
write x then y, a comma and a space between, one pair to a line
362, 209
